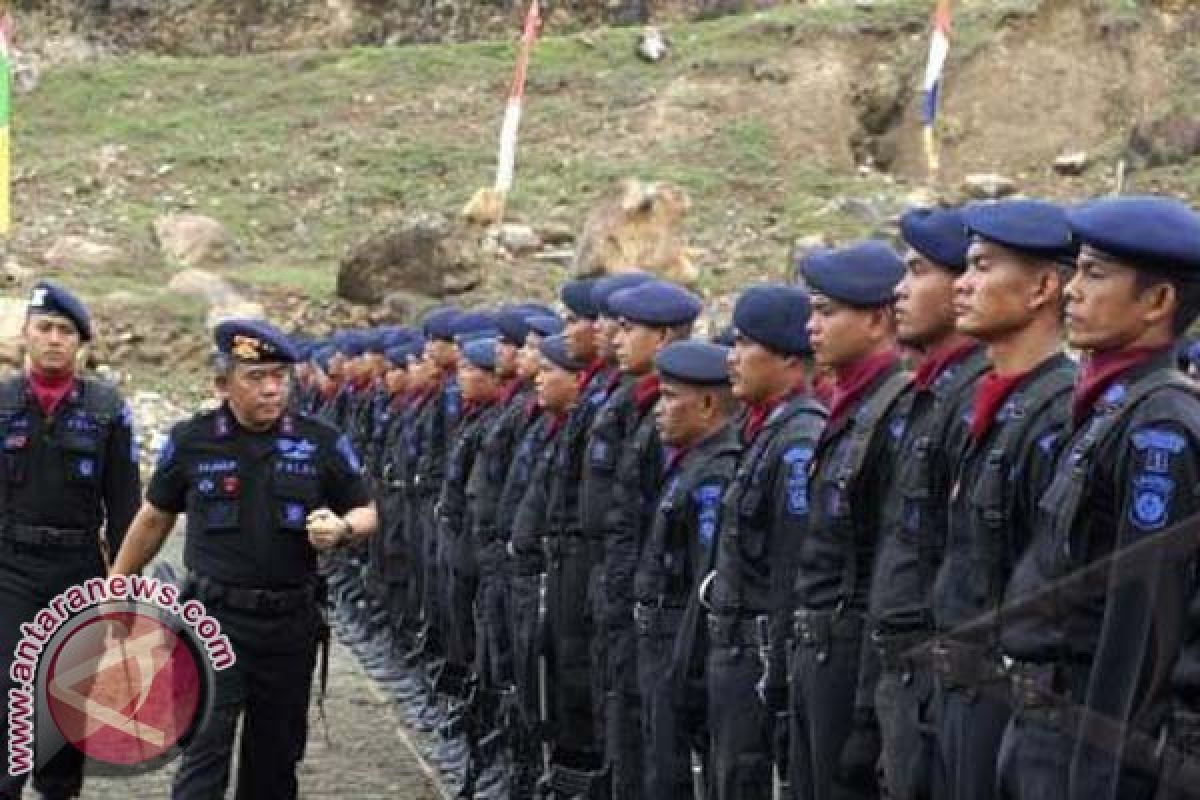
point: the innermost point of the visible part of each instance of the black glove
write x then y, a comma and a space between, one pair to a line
860, 754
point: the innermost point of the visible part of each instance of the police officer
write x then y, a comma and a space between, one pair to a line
1107, 643
69, 470
264, 491
852, 330
1009, 298
576, 745
693, 419
485, 492
763, 515
652, 315
913, 510
539, 514
596, 501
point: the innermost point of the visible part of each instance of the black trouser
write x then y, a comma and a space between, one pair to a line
270, 683
970, 727
461, 581
525, 646
824, 681
493, 619
598, 604
622, 712
431, 581
668, 731
738, 722
30, 577
571, 634
904, 708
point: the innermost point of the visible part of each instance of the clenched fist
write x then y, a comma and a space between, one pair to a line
326, 529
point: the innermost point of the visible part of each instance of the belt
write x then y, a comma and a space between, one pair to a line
895, 648
1043, 686
650, 619
819, 628
240, 598
728, 630
965, 666
47, 536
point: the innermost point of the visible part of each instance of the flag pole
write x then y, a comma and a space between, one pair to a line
939, 48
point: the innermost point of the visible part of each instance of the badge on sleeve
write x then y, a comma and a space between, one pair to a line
796, 460
346, 451
708, 512
1151, 504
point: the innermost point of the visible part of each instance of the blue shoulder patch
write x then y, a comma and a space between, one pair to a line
797, 458
167, 454
346, 450
1048, 441
451, 400
1150, 506
708, 511
1159, 439
1114, 394
897, 427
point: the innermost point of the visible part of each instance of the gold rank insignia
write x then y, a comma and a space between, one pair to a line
246, 348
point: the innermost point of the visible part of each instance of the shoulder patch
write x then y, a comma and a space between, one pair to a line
1047, 442
1151, 501
346, 450
897, 427
1159, 439
1114, 394
707, 498
797, 458
126, 419
167, 454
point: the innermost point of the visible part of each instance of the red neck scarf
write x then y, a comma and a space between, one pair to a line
590, 371
50, 390
1101, 371
936, 361
990, 393
645, 391
823, 388
557, 419
509, 391
757, 413
854, 379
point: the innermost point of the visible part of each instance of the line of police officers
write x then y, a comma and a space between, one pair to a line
617, 561
620, 562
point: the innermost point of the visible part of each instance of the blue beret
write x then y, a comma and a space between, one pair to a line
353, 344
1153, 232
481, 352
862, 275
726, 337
657, 304
606, 287
50, 298
439, 323
1030, 226
321, 357
536, 308
938, 234
545, 325
577, 296
512, 321
775, 316
469, 322
554, 348
693, 362
254, 341
400, 354
463, 339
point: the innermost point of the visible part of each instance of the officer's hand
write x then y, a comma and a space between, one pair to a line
860, 754
325, 529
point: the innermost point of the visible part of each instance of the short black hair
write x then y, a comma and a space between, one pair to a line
1187, 295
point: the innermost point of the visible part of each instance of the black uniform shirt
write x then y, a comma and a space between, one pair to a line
247, 495
76, 469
